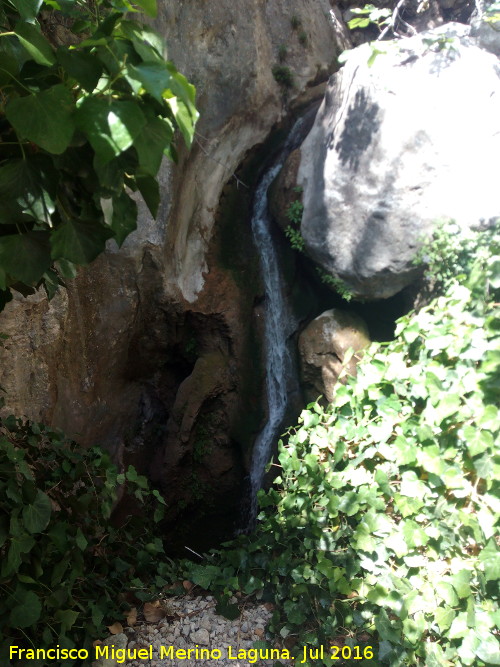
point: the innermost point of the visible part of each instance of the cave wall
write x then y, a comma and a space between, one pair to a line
153, 351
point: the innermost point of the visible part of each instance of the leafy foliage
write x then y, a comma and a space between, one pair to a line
384, 526
65, 568
81, 127
492, 13
338, 285
292, 232
283, 75
369, 15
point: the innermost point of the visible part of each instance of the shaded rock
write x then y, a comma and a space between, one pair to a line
396, 147
201, 636
322, 347
487, 34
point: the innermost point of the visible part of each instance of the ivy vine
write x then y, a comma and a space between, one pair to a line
82, 127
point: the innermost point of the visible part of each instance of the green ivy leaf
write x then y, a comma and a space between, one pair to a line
28, 9
150, 190
44, 118
124, 216
81, 540
25, 257
110, 126
183, 118
66, 617
27, 612
35, 44
151, 143
83, 67
37, 515
228, 610
488, 649
490, 561
79, 241
149, 7
444, 618
147, 43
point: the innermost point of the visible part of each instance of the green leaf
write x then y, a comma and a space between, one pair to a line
27, 188
358, 23
385, 628
79, 241
28, 9
66, 617
444, 618
44, 118
150, 190
228, 610
490, 561
184, 120
124, 216
446, 592
18, 546
203, 575
111, 127
37, 515
488, 649
151, 144
461, 583
434, 656
149, 7
155, 77
35, 43
467, 650
83, 67
27, 612
81, 540
147, 43
25, 257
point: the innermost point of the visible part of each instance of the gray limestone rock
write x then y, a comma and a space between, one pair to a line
485, 30
395, 147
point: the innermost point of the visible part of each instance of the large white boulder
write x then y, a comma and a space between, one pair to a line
396, 146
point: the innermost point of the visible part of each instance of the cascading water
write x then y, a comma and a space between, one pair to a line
278, 326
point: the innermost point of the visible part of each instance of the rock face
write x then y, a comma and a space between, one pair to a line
395, 147
322, 348
486, 33
152, 351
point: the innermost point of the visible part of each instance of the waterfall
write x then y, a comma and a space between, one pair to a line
278, 326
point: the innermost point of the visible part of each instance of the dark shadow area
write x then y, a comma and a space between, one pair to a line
360, 125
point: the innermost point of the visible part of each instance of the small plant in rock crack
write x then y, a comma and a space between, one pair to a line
295, 21
339, 285
282, 52
292, 232
295, 238
283, 75
294, 212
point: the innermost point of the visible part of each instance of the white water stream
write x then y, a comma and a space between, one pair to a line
278, 326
